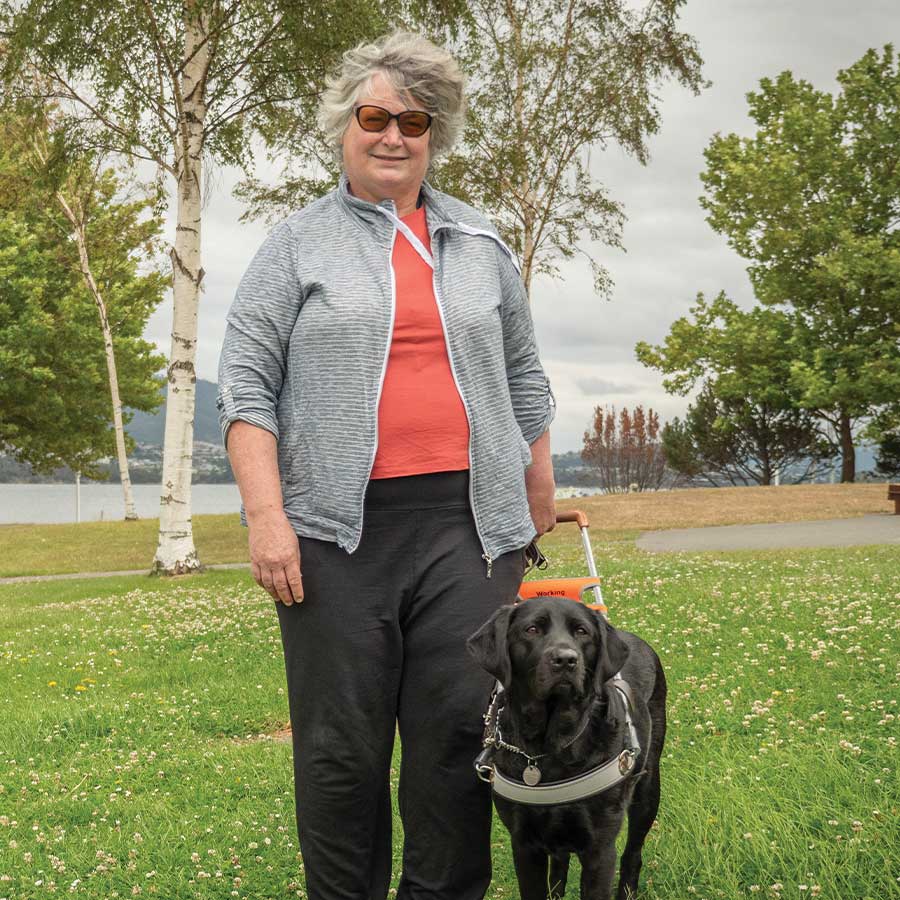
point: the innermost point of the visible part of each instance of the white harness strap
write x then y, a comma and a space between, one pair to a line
590, 783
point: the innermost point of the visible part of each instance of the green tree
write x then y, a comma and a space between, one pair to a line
812, 201
548, 80
746, 425
61, 177
179, 82
736, 440
54, 396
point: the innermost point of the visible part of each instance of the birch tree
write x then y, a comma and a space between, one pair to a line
70, 181
549, 81
179, 84
54, 359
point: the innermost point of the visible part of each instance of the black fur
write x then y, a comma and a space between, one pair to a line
555, 659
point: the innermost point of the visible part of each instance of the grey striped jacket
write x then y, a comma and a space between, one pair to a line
307, 343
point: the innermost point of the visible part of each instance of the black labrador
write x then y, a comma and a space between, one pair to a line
556, 660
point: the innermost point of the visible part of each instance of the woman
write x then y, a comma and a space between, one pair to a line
381, 398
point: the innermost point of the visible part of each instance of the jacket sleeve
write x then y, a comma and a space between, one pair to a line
259, 325
533, 402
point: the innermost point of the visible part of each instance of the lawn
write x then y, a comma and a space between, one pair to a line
124, 546
136, 754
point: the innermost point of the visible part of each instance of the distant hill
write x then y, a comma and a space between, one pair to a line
147, 429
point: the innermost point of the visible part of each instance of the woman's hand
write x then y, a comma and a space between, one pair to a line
540, 486
275, 558
274, 549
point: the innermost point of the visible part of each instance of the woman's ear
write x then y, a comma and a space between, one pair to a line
489, 647
612, 656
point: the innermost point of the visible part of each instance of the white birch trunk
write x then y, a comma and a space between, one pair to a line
175, 552
77, 223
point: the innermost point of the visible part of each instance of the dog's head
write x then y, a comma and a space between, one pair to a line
549, 646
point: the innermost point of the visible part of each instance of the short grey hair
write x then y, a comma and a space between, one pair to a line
413, 66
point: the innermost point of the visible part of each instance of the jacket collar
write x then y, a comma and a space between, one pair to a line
435, 213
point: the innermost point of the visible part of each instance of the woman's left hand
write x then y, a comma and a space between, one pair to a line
541, 486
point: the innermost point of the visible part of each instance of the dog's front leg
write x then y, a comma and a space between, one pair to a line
531, 872
598, 866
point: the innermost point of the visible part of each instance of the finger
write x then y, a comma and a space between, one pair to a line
281, 587
268, 583
257, 575
294, 580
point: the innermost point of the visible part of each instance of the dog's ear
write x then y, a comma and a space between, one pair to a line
613, 654
488, 645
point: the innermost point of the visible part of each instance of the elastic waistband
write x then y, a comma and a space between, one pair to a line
434, 489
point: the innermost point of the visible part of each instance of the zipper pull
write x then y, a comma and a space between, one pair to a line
490, 562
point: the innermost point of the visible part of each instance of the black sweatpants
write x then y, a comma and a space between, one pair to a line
377, 644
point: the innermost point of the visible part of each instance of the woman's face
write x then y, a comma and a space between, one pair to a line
385, 165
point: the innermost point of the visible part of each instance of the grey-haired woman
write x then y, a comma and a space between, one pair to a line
386, 416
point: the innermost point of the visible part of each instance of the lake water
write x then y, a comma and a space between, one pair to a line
46, 503
54, 503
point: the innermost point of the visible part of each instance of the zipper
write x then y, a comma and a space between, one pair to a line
428, 258
489, 560
384, 364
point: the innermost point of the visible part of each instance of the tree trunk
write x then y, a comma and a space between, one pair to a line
175, 552
80, 239
848, 451
527, 192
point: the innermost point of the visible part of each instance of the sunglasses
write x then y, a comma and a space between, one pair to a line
411, 122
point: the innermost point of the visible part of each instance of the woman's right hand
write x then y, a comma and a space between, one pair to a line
275, 558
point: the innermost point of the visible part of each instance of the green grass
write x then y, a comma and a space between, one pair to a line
131, 710
111, 546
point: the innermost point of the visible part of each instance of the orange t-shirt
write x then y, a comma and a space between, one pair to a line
422, 424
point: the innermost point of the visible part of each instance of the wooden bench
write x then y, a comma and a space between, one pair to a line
894, 494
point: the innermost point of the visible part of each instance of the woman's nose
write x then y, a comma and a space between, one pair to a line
391, 135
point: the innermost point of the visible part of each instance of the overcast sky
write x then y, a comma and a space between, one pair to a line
587, 345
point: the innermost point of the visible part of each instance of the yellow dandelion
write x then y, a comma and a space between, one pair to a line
51, 684
80, 687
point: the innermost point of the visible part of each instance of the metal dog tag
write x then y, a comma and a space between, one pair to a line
532, 775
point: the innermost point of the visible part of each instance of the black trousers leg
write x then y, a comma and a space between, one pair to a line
343, 654
446, 809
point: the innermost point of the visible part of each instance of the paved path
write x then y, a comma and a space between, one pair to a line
20, 579
872, 529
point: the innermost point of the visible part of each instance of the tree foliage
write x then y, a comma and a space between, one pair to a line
54, 397
746, 424
625, 450
812, 201
735, 440
548, 80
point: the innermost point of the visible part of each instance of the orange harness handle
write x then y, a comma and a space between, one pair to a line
570, 588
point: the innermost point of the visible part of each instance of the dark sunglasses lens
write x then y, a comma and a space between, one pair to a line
413, 124
371, 118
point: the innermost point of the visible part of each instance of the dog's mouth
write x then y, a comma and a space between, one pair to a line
563, 685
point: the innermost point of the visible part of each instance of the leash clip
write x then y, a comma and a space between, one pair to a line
484, 766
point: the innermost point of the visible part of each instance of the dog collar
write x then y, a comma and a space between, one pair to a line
580, 787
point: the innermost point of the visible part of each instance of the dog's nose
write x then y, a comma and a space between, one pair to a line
562, 658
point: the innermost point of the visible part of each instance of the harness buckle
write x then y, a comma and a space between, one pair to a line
626, 761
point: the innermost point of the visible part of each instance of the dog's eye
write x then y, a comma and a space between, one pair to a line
580, 629
532, 629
